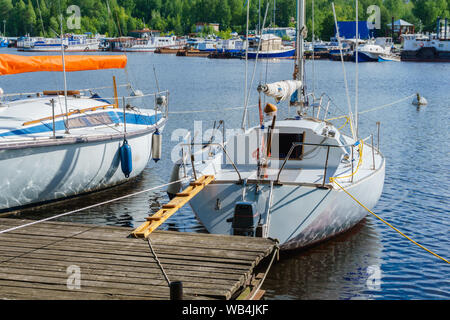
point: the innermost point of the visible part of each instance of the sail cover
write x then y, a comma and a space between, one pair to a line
280, 90
13, 64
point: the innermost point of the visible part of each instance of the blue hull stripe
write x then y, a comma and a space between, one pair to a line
116, 117
285, 54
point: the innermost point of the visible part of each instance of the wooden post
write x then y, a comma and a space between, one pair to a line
176, 290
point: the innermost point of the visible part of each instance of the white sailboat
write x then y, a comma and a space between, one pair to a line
58, 144
283, 179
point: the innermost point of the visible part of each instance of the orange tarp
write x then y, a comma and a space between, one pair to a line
12, 64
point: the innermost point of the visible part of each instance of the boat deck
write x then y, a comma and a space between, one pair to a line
306, 176
38, 262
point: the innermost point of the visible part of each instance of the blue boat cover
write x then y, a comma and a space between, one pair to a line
347, 29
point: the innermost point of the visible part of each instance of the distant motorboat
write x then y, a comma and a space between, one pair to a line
4, 42
391, 57
235, 45
72, 43
373, 49
149, 44
271, 47
27, 42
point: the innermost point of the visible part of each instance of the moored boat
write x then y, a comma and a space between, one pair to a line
270, 47
72, 43
285, 179
49, 152
373, 49
149, 44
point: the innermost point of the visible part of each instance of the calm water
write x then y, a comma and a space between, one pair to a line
369, 262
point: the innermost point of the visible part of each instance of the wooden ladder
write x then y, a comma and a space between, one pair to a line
167, 210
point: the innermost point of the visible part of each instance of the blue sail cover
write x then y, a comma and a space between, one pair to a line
347, 29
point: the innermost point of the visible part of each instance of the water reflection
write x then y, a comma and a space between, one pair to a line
342, 268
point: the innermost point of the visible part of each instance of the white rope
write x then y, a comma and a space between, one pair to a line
349, 104
209, 110
387, 105
275, 253
374, 109
91, 206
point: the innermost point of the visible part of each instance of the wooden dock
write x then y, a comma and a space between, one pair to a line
45, 260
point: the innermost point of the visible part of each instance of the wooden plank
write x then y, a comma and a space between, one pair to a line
118, 234
121, 264
149, 274
144, 250
99, 257
114, 280
141, 289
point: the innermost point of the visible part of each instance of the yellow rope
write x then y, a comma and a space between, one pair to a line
332, 179
348, 119
357, 167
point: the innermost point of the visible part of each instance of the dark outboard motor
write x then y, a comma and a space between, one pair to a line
245, 219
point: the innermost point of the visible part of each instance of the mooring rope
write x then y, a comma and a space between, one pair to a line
157, 261
374, 109
210, 110
91, 206
332, 179
275, 254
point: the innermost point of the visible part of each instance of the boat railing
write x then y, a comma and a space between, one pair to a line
204, 145
328, 146
159, 106
319, 104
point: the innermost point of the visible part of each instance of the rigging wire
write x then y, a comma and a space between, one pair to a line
91, 206
256, 61
344, 72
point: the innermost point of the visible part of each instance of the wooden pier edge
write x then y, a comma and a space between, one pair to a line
64, 260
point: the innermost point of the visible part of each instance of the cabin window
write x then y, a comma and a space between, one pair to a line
284, 142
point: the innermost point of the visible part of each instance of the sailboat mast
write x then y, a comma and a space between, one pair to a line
64, 75
356, 73
246, 67
299, 66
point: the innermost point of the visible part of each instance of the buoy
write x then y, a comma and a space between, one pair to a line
174, 188
156, 145
126, 159
419, 101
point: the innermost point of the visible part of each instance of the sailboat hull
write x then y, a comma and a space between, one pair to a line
288, 53
58, 169
300, 215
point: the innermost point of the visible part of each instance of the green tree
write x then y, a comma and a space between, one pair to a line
6, 8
